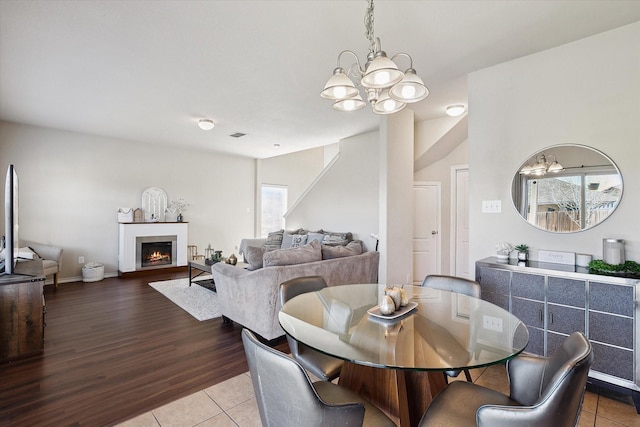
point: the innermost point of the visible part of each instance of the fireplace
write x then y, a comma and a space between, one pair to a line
155, 252
132, 235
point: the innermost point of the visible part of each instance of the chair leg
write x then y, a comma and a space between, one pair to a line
446, 377
55, 279
468, 375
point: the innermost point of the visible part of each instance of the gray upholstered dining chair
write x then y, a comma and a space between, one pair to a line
286, 397
324, 367
544, 391
453, 284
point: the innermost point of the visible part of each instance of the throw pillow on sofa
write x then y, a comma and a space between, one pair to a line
274, 240
254, 257
307, 253
352, 248
336, 239
315, 235
293, 240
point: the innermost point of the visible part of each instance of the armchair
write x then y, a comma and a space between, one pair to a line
544, 391
51, 257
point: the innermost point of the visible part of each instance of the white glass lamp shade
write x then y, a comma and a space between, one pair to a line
540, 168
381, 73
349, 104
339, 86
387, 105
410, 89
526, 170
455, 110
555, 167
206, 124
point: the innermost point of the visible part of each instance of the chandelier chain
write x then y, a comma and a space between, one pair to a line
368, 25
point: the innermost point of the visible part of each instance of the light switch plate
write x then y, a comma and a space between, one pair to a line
491, 206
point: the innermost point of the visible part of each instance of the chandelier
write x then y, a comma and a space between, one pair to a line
541, 166
387, 88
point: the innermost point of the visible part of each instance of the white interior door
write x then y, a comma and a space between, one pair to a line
426, 230
460, 222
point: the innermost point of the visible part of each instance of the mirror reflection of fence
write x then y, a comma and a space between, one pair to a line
566, 188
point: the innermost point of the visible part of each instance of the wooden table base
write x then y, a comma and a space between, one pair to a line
403, 395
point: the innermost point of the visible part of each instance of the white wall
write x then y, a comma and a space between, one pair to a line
346, 197
586, 92
72, 184
296, 171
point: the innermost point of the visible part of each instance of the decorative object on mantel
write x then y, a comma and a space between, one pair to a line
628, 269
138, 215
523, 252
178, 206
503, 249
125, 214
154, 204
170, 214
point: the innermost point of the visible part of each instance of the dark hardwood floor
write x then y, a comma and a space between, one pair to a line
115, 349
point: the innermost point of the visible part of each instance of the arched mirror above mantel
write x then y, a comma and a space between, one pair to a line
566, 188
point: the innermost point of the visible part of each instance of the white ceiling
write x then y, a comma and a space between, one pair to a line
147, 70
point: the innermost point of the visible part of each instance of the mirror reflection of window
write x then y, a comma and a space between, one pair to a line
571, 203
584, 193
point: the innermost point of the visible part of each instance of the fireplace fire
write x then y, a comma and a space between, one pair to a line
156, 252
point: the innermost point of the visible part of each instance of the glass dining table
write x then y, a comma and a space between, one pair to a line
397, 361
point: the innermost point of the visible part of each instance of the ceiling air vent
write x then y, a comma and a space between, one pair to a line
237, 134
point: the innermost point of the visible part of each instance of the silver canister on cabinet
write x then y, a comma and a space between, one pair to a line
613, 251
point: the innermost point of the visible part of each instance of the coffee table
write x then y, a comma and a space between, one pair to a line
199, 267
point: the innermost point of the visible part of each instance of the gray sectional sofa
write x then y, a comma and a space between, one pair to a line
250, 297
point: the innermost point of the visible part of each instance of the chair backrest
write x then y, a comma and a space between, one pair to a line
452, 284
293, 288
285, 395
300, 285
551, 388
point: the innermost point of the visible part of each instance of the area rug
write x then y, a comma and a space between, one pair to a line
199, 302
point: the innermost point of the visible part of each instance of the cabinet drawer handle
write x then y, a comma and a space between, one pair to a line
541, 316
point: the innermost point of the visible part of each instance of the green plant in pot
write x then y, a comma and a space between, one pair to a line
523, 252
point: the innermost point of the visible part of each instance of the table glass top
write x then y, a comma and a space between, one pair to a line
445, 331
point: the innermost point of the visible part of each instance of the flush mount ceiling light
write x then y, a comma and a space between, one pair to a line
455, 110
542, 166
386, 87
205, 124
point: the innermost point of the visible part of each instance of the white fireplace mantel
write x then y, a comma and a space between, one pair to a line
130, 231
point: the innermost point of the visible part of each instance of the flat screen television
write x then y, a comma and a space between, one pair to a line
11, 220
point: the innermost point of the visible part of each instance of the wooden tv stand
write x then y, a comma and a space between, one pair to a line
22, 312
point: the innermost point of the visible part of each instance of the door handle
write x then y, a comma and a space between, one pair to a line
434, 232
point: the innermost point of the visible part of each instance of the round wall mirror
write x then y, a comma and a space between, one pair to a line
566, 188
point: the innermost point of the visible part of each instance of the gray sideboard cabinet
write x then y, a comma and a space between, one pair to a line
554, 300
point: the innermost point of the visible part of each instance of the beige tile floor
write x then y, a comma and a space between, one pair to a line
232, 404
